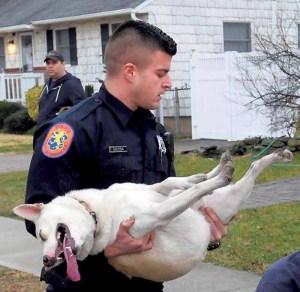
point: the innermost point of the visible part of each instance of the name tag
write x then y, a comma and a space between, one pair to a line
117, 149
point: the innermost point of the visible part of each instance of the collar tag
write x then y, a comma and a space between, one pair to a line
117, 149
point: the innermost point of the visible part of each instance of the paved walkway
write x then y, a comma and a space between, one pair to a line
19, 250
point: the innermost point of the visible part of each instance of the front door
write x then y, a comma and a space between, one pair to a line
26, 51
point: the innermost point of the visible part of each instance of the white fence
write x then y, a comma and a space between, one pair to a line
217, 103
14, 86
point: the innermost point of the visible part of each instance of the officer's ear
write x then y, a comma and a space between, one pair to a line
129, 71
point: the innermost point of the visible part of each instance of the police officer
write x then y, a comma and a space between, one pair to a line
111, 137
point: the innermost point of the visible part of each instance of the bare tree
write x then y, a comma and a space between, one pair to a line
271, 75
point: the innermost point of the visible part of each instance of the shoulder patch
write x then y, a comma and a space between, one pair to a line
58, 140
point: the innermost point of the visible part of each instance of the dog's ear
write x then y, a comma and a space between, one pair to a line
30, 212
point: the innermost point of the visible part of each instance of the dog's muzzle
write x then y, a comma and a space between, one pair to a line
65, 251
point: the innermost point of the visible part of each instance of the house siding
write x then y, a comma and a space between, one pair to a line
198, 25
195, 25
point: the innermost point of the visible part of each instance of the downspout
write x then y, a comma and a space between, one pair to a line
138, 8
274, 19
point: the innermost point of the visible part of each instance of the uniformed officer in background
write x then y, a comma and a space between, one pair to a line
111, 137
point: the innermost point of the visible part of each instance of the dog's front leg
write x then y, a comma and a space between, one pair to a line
172, 186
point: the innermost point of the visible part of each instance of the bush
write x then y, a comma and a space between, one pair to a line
89, 90
6, 109
32, 101
18, 123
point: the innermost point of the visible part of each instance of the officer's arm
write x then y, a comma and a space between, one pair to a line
50, 175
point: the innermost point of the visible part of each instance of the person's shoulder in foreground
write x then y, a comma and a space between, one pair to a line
282, 276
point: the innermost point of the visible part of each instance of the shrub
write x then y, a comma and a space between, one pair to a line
18, 123
6, 109
89, 90
32, 101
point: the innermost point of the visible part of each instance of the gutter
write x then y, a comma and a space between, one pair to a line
121, 12
16, 28
138, 8
82, 17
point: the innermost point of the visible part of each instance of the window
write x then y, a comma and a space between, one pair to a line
106, 32
2, 55
237, 37
65, 43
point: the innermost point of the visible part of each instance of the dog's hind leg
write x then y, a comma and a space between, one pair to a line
175, 185
226, 201
170, 208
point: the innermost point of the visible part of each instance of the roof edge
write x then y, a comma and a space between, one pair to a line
15, 28
82, 17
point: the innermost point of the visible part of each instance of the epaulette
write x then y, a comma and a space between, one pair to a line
84, 108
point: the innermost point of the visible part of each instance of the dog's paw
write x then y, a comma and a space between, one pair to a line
285, 155
226, 157
228, 171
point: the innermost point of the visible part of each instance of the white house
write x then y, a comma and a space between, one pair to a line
80, 30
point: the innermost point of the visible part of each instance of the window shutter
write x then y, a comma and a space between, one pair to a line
73, 46
104, 38
49, 40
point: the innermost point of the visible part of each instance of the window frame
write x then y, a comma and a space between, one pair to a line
52, 44
246, 40
2, 57
111, 27
298, 26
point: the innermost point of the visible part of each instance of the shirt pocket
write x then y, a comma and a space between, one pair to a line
119, 165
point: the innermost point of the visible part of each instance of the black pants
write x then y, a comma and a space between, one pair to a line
96, 274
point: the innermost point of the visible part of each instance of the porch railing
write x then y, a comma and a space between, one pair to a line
14, 86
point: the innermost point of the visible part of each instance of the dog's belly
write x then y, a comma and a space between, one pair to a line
178, 248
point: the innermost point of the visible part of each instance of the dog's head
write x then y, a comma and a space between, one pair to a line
64, 228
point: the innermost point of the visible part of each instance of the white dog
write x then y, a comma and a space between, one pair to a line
68, 232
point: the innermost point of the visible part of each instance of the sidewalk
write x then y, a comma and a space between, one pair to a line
19, 250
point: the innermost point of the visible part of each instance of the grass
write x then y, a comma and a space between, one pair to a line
257, 237
13, 144
190, 164
16, 281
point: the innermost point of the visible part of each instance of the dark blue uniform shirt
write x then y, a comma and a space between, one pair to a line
282, 276
95, 144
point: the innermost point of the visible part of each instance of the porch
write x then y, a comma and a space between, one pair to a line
14, 86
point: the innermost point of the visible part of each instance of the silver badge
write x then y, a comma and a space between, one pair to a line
161, 147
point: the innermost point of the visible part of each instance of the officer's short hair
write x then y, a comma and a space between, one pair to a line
134, 33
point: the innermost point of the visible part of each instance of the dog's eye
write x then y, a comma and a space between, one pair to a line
41, 236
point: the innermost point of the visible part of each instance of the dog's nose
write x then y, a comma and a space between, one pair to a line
48, 261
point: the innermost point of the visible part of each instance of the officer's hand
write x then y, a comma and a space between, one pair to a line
218, 229
126, 244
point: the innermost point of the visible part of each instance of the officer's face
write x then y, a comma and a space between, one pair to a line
55, 69
153, 80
